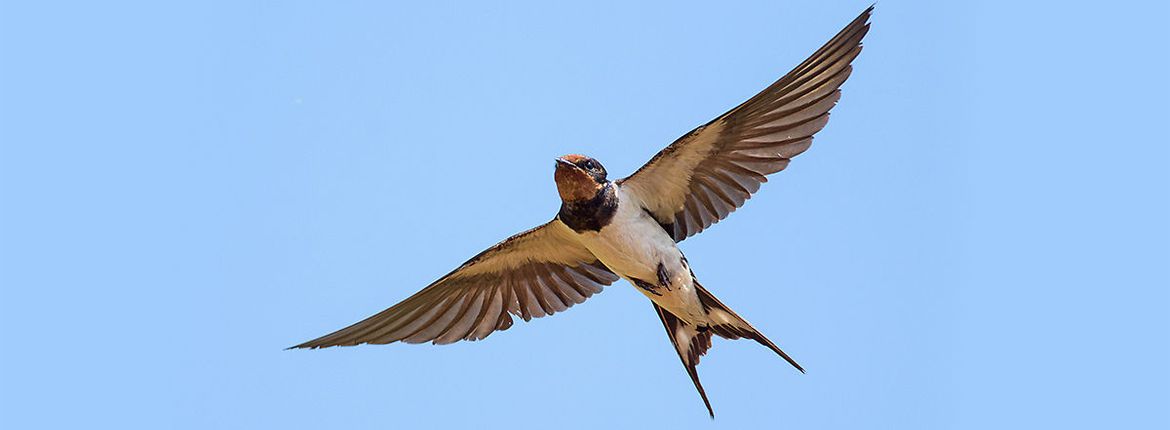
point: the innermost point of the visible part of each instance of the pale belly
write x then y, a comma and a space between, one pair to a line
633, 245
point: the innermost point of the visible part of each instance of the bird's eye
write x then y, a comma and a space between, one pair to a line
590, 165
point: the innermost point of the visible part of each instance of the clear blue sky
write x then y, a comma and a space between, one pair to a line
979, 239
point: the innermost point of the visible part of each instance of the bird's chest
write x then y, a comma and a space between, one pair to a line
633, 244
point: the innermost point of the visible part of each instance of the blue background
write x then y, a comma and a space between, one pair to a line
979, 239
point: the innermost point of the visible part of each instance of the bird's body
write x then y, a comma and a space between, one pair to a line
635, 247
629, 228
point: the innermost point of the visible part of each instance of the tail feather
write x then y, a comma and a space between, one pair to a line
735, 326
692, 342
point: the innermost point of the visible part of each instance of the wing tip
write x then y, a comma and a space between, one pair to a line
309, 345
320, 343
868, 12
304, 345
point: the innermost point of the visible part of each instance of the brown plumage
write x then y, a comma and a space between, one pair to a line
710, 172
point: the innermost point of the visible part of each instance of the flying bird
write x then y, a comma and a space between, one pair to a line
628, 229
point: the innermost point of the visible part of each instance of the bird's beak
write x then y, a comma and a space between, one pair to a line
563, 162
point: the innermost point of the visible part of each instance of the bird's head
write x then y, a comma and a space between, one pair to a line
579, 177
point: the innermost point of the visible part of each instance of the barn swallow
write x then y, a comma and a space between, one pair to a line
629, 228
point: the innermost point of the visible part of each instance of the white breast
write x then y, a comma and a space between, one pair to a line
633, 244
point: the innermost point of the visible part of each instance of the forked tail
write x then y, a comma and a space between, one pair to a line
692, 342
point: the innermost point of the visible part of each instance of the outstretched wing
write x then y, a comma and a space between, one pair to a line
532, 274
710, 172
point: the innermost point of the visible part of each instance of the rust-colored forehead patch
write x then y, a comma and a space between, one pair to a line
575, 158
